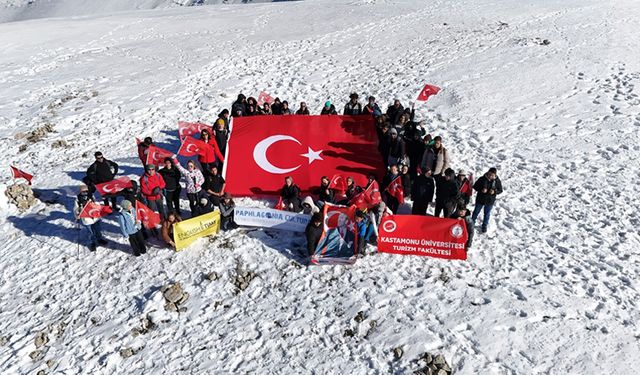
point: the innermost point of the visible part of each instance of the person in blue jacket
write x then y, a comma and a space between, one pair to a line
131, 228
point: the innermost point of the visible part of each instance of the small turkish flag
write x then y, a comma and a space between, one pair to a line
338, 183
149, 218
368, 198
280, 205
191, 147
427, 91
186, 129
21, 174
395, 189
114, 186
264, 98
156, 155
93, 210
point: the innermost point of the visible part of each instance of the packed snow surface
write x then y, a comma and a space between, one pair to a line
551, 289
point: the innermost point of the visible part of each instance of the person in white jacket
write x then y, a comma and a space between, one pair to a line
194, 178
309, 207
93, 225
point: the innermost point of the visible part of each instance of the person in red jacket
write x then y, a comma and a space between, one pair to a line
213, 156
151, 186
465, 185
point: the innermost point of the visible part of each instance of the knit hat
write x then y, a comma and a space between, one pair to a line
126, 205
393, 131
204, 201
327, 104
149, 167
462, 172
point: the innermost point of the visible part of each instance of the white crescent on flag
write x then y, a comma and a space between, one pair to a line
260, 154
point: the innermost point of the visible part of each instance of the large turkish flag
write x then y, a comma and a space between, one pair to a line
263, 150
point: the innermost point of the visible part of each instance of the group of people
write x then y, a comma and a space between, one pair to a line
412, 156
160, 190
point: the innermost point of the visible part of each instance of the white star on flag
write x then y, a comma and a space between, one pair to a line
312, 155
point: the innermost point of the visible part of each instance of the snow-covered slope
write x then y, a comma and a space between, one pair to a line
20, 10
551, 289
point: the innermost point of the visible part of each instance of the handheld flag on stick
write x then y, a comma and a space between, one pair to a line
427, 91
21, 174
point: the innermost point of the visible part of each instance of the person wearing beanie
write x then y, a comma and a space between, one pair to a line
353, 106
227, 209
463, 213
465, 186
397, 148
313, 233
151, 186
92, 224
203, 207
487, 188
221, 135
131, 228
276, 107
224, 116
328, 109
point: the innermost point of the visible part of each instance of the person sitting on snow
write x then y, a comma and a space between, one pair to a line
227, 208
290, 195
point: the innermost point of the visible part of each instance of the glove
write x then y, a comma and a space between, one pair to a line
156, 191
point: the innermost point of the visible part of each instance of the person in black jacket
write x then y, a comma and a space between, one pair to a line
313, 232
397, 150
488, 187
171, 176
276, 107
390, 200
221, 135
239, 107
328, 109
227, 210
303, 110
422, 192
394, 111
291, 195
325, 194
203, 207
406, 180
352, 190
446, 193
353, 107
101, 171
214, 185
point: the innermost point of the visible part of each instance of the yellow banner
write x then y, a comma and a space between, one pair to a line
187, 231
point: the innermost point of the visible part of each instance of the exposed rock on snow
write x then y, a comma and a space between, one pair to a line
433, 365
397, 353
174, 296
127, 352
212, 276
41, 339
146, 325
242, 278
21, 195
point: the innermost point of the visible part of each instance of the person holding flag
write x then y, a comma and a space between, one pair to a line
325, 192
131, 228
151, 186
393, 191
89, 222
101, 171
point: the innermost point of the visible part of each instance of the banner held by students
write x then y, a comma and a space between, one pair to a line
339, 241
187, 231
270, 218
423, 235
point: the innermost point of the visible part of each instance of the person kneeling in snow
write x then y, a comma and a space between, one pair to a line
227, 207
167, 228
95, 230
462, 213
203, 207
308, 207
131, 228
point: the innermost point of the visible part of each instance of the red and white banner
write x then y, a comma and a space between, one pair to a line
264, 98
149, 218
427, 91
192, 147
186, 129
156, 155
93, 210
423, 235
17, 173
114, 186
263, 150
